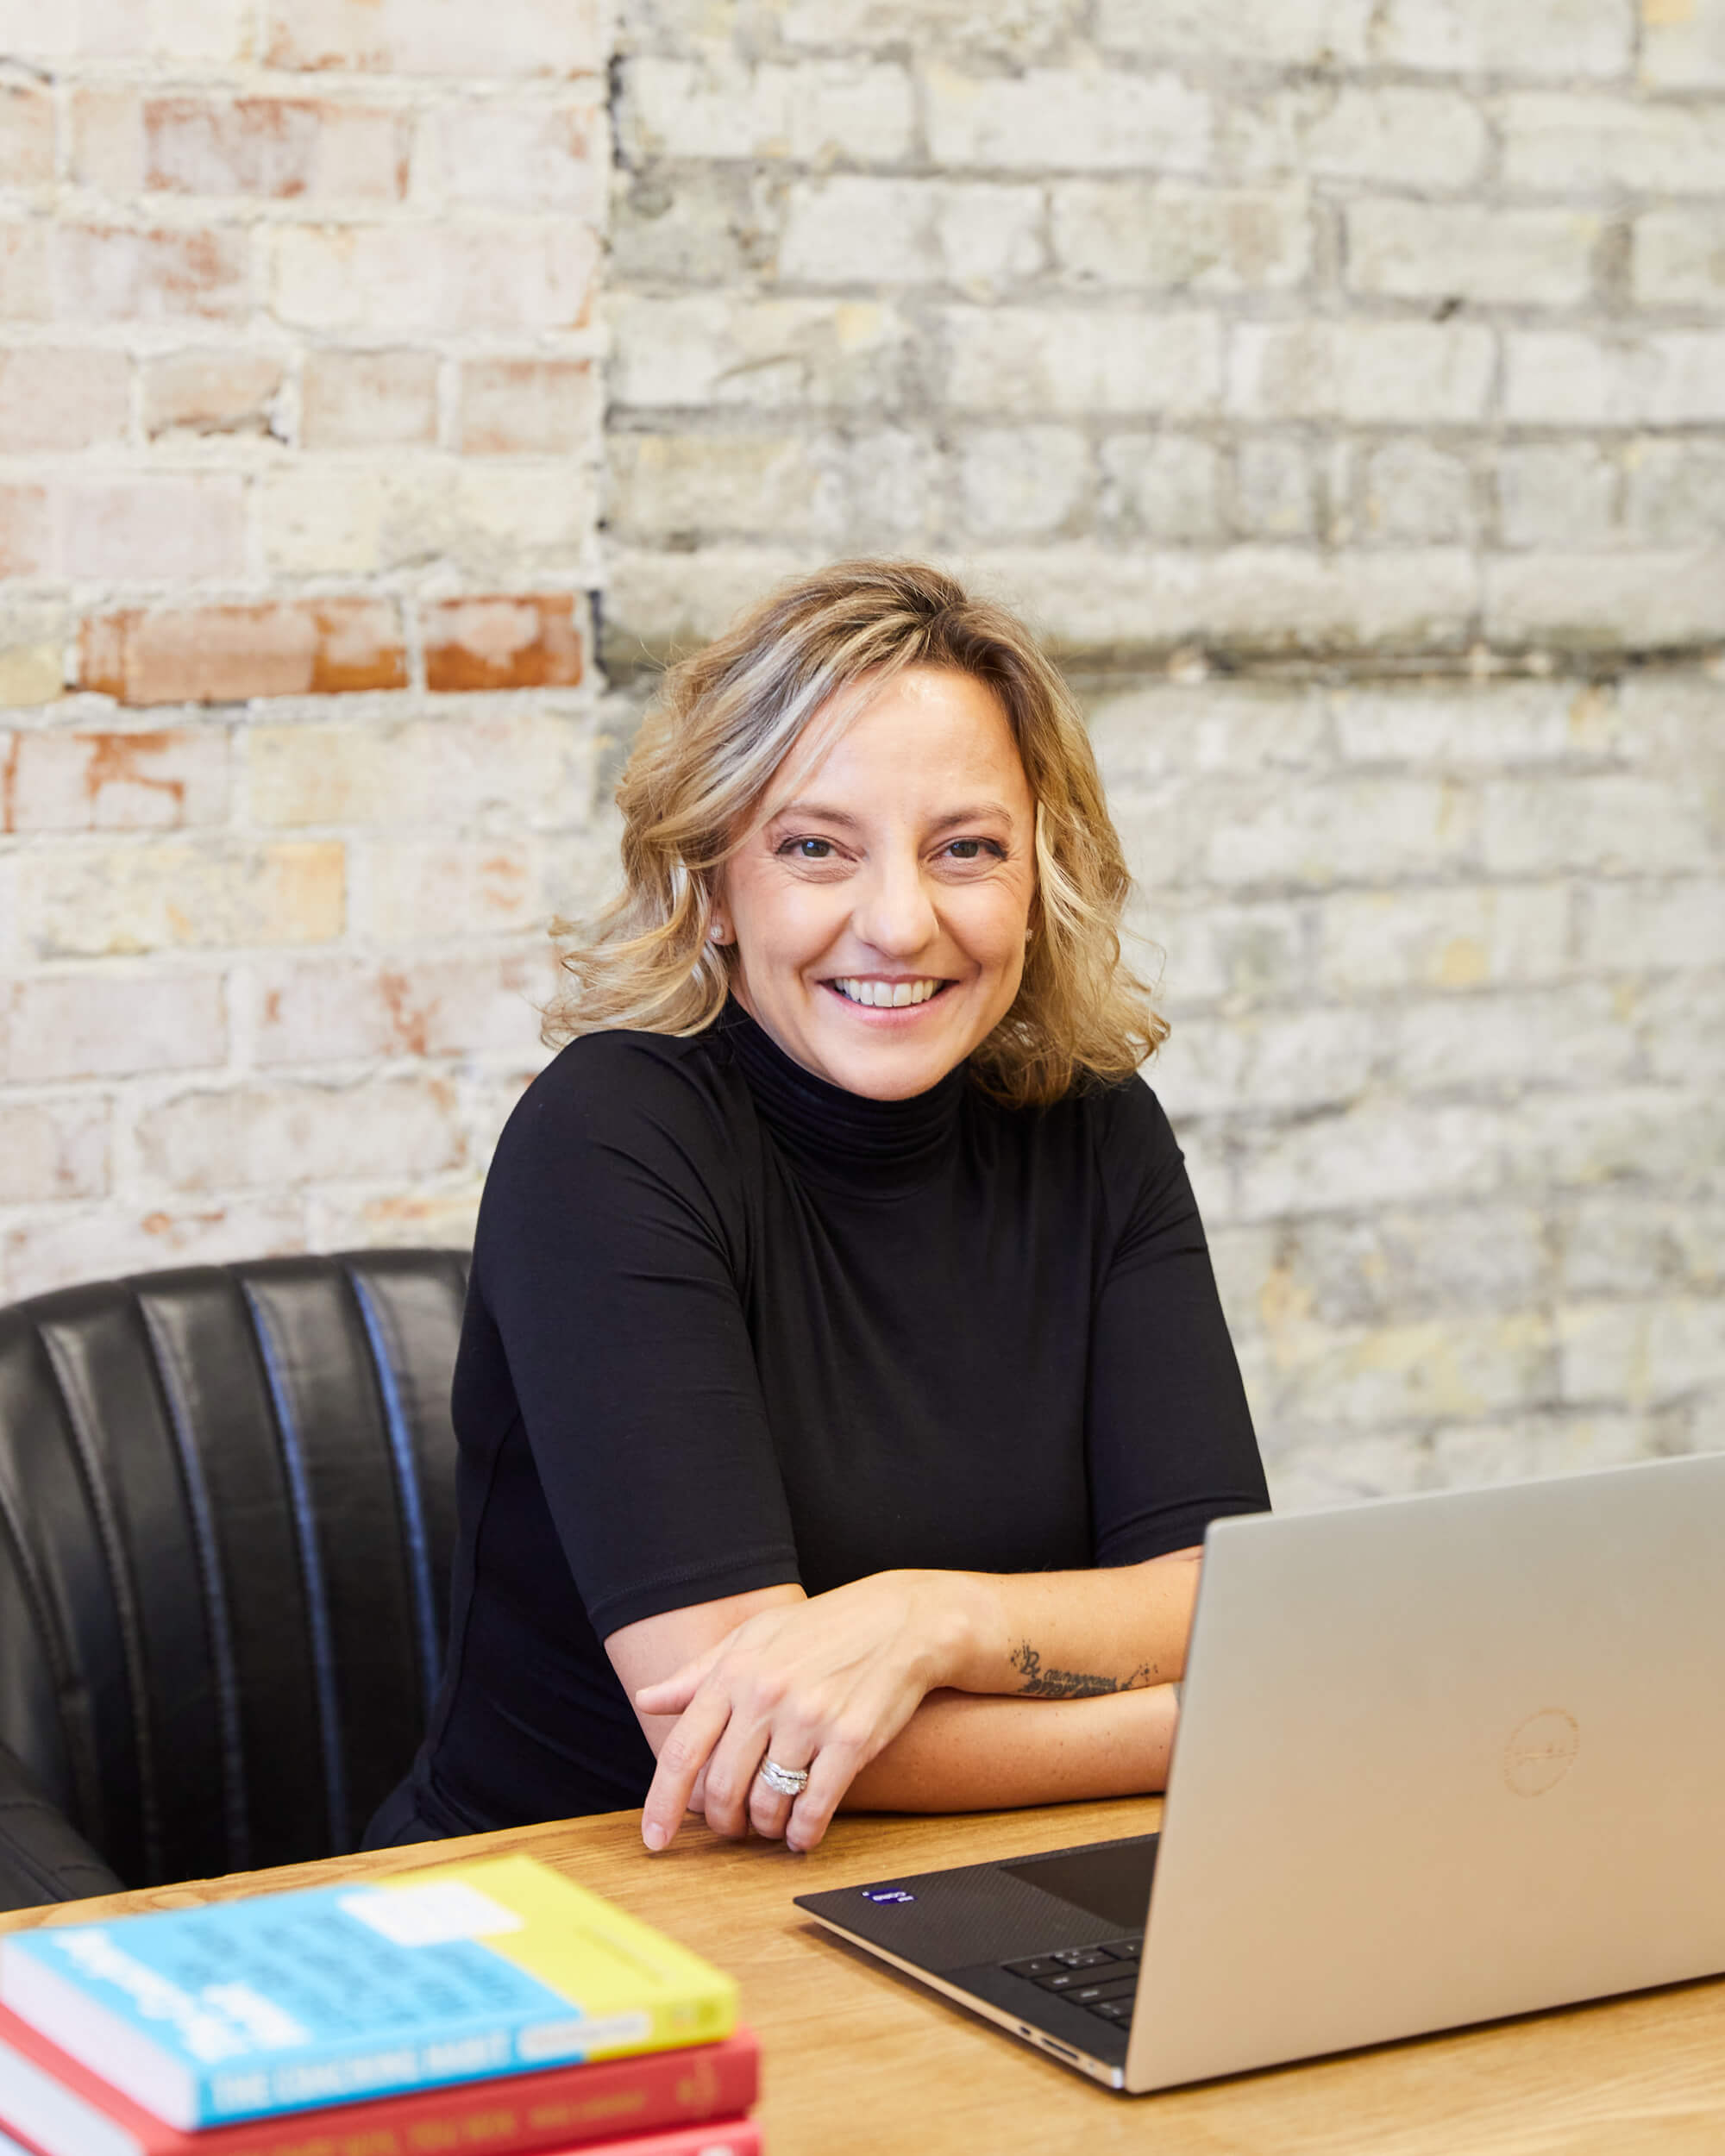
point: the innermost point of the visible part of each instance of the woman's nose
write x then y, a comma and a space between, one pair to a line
893, 913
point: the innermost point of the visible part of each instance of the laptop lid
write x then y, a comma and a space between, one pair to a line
1441, 1758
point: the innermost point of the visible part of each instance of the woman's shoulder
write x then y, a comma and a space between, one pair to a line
648, 1095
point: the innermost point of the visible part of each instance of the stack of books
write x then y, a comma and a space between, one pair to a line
489, 2009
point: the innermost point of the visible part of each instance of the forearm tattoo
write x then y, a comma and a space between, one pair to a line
1040, 1683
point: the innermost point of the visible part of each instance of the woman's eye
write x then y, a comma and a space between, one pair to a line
809, 849
973, 849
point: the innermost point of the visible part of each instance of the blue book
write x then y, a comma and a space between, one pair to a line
328, 1995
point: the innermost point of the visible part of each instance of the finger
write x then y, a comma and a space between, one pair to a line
671, 1695
834, 1770
682, 1757
769, 1808
730, 1773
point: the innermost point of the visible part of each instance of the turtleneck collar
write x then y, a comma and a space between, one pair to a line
842, 1136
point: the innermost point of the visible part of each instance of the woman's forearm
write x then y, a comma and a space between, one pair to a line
1069, 1635
962, 1752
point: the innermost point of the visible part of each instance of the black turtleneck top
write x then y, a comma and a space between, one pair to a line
729, 1326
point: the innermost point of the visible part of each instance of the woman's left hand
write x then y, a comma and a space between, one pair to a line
821, 1684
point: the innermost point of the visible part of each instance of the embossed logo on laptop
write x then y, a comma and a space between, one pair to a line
1541, 1752
886, 1894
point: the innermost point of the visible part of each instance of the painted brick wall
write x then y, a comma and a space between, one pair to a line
299, 423
1340, 383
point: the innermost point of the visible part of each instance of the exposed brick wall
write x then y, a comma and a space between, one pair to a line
1370, 353
299, 416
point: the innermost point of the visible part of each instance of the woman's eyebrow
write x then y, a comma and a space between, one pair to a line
977, 813
820, 809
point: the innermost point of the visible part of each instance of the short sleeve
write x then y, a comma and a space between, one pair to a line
1168, 1432
607, 1261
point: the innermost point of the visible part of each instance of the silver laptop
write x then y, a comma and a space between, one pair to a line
1440, 1759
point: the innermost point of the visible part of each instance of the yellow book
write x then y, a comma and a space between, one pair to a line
325, 1995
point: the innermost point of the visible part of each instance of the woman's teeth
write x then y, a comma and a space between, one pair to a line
882, 993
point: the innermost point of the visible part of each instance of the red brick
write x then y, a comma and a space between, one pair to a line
273, 146
106, 274
25, 291
25, 136
52, 398
26, 531
502, 643
156, 527
528, 407
432, 37
210, 393
368, 400
223, 654
56, 780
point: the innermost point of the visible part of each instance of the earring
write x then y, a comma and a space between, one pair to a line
718, 933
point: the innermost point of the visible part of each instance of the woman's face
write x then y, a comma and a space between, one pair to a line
881, 908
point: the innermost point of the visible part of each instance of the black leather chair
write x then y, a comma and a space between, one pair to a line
227, 1513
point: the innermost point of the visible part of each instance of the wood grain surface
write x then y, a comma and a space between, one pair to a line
858, 2060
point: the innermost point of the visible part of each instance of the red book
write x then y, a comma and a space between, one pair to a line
653, 2103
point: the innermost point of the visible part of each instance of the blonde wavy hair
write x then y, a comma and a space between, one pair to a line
724, 722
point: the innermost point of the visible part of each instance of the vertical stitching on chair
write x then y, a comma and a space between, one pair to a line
407, 1482
171, 1380
311, 1571
64, 1671
81, 1422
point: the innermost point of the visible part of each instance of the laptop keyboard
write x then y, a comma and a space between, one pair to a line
1102, 1979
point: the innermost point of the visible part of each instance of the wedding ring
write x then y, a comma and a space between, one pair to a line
784, 1780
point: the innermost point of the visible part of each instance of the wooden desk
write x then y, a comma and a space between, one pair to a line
857, 2059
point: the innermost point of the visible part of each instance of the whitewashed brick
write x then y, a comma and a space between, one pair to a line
94, 1024
1679, 259
412, 890
1020, 482
1329, 130
1013, 28
1354, 831
109, 901
721, 107
658, 603
1274, 496
1645, 602
1166, 487
283, 1135
1417, 373
1166, 235
1653, 1133
1501, 722
164, 779
1388, 1266
1415, 492
1088, 599
1413, 250
856, 229
1456, 938
1206, 948
1588, 145
391, 280
1222, 729
1562, 494
1566, 377
1675, 492
506, 37
521, 766
668, 485
1072, 120
1453, 1367
54, 1149
1295, 33
483, 521
1641, 1352
1572, 1037
1610, 824
1370, 1156
1539, 37
1683, 1024
1267, 1062
1629, 1243
722, 351
1034, 362
80, 1243
463, 1003
514, 153
161, 529
1683, 47
1652, 926
416, 1218
1533, 1447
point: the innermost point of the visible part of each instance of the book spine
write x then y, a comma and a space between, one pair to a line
718, 2137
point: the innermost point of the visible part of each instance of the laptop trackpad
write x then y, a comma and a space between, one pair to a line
1110, 1881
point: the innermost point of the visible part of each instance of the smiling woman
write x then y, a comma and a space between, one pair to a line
843, 1393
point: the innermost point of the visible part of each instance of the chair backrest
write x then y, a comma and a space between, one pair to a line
227, 1515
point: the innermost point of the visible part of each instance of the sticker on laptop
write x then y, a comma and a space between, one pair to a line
886, 1894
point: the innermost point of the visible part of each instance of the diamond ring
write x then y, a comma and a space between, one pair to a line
786, 1781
